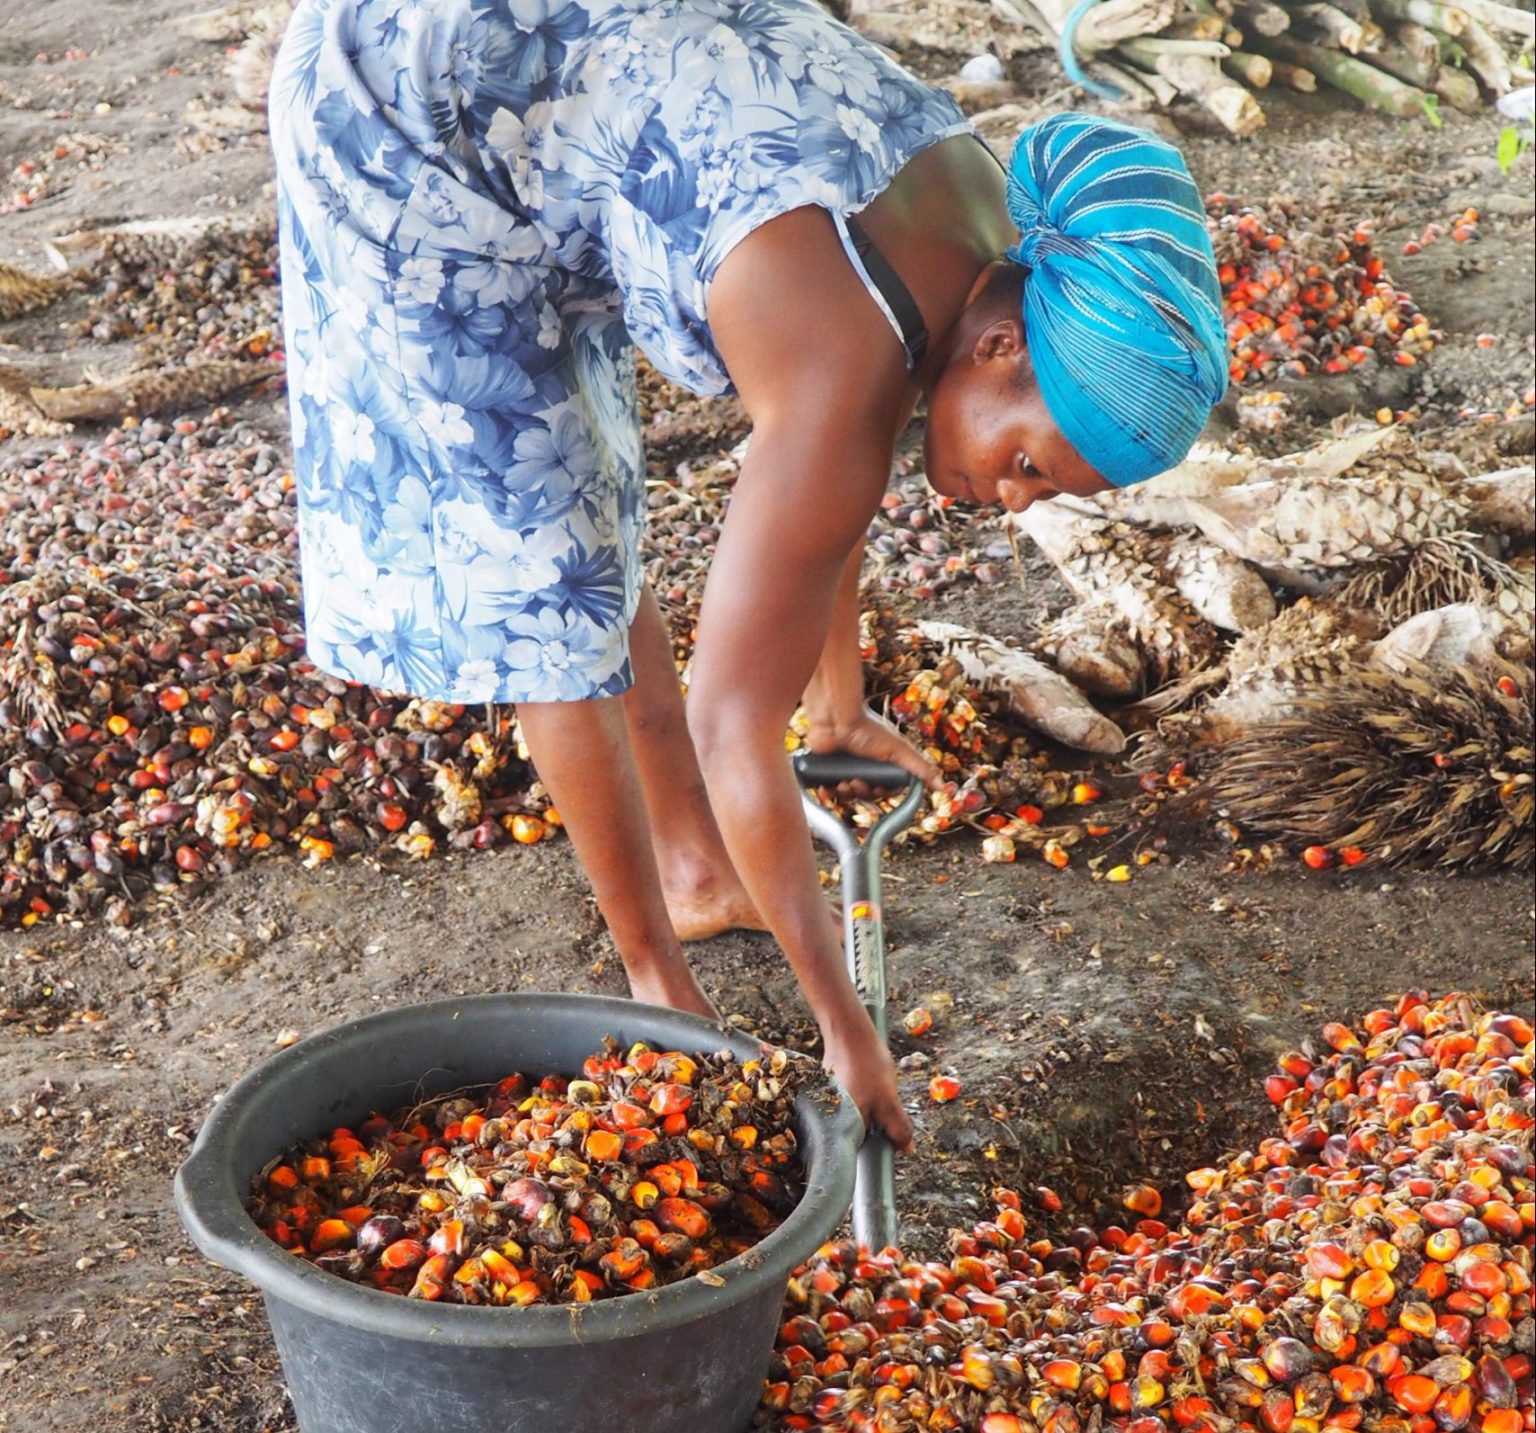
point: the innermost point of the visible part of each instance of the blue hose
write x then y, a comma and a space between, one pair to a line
1069, 55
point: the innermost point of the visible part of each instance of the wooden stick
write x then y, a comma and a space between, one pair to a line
1458, 89
1259, 17
1370, 86
1398, 60
1196, 27
1321, 21
1501, 17
1101, 28
1449, 19
1141, 90
1486, 57
1255, 71
1199, 77
1148, 49
1419, 42
1293, 77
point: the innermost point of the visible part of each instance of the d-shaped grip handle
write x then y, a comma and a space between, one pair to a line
830, 768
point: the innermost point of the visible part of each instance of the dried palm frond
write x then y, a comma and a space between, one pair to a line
1433, 766
150, 390
1438, 573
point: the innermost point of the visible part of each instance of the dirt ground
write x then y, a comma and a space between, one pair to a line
1102, 1032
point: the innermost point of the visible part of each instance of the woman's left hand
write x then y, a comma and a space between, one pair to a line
873, 737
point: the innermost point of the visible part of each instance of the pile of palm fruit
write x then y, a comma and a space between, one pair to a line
1298, 300
649, 1167
1368, 1266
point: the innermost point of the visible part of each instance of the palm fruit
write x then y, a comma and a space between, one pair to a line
1465, 634
1310, 644
1505, 500
1118, 565
21, 292
1092, 646
1035, 694
1422, 767
1223, 589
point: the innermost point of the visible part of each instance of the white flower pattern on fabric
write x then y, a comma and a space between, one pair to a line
484, 206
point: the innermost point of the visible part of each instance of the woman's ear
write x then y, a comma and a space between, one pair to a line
1001, 339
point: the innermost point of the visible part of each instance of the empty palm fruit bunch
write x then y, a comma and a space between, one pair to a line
1367, 1266
1118, 567
1419, 766
648, 1167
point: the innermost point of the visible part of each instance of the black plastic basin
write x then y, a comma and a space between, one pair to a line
689, 1358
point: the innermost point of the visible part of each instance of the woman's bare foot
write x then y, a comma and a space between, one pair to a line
707, 907
677, 992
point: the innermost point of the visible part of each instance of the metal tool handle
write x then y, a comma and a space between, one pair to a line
828, 768
875, 1224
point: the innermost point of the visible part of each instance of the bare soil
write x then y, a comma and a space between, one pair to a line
1103, 1033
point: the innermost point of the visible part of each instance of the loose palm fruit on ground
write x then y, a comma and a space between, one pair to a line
1307, 1288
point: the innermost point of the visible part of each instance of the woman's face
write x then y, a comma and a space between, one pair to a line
990, 438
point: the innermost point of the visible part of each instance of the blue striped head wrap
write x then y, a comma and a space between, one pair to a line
1122, 310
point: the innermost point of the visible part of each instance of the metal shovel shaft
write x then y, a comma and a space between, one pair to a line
875, 1223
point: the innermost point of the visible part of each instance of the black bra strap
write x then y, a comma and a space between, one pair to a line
914, 332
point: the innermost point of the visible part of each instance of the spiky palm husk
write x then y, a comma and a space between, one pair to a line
1439, 573
1120, 566
1433, 767
21, 292
147, 391
1093, 646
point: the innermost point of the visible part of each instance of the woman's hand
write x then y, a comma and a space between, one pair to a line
871, 736
864, 1067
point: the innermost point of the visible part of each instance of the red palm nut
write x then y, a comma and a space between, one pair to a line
1503, 1420
1485, 1278
682, 1216
1453, 1408
331, 1234
1286, 1359
1374, 1288
433, 1278
1443, 1244
1278, 1410
1313, 1395
1144, 1200
671, 1099
1063, 1373
403, 1254
1352, 1384
1413, 1392
1329, 1261
1418, 1318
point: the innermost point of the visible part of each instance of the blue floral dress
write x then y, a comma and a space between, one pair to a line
484, 204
